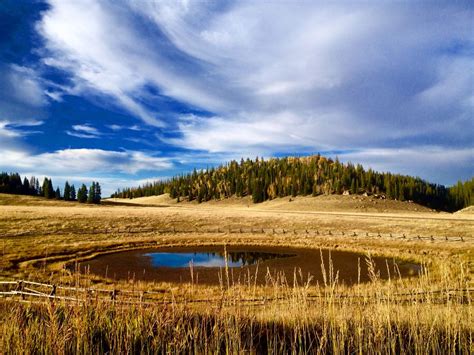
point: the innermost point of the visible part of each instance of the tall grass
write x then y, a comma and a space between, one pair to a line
384, 317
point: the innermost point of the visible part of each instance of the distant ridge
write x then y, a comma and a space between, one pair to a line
302, 176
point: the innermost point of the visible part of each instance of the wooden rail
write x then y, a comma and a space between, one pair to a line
266, 231
22, 290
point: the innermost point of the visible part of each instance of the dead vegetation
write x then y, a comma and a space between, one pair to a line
37, 241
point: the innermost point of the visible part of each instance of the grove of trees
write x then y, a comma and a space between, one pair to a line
292, 176
12, 183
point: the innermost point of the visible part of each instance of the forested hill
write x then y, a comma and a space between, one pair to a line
314, 175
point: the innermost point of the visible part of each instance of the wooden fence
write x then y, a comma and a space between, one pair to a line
25, 291
266, 231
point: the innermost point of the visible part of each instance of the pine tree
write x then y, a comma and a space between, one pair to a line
82, 194
26, 187
67, 191
48, 190
97, 193
57, 193
72, 193
353, 187
91, 197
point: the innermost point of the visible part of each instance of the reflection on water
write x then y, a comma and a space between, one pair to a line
214, 259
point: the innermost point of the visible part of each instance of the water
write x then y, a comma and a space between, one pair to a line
246, 264
234, 259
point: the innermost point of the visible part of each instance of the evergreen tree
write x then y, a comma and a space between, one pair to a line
47, 189
72, 194
82, 194
97, 193
57, 193
67, 191
26, 187
91, 197
353, 187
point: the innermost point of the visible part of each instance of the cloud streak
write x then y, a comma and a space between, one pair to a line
84, 131
80, 161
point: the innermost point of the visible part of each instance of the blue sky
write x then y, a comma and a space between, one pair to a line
127, 91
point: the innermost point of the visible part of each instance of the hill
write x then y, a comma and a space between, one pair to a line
26, 200
264, 180
322, 203
466, 211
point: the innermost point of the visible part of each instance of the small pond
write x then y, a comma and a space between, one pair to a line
205, 265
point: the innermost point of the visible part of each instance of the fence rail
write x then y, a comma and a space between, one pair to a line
265, 231
23, 290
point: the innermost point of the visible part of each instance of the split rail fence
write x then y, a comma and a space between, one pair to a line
266, 231
28, 291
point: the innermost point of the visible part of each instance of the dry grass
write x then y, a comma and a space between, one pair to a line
36, 241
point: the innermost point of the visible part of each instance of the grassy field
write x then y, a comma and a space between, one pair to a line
413, 315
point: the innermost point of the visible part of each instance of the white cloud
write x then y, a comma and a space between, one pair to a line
83, 161
84, 131
109, 185
109, 56
116, 127
25, 86
424, 161
14, 129
22, 98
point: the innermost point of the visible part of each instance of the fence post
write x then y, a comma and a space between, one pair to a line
19, 289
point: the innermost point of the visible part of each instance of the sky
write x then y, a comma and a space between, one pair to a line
124, 92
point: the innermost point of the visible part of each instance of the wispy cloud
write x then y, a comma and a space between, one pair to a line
15, 129
370, 61
84, 131
22, 98
422, 161
116, 127
75, 161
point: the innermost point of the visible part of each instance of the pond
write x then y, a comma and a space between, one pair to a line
206, 265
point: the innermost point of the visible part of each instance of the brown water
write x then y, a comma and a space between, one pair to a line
264, 264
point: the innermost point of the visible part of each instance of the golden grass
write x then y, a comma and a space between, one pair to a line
36, 241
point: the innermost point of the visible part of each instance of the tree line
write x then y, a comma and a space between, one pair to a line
11, 183
301, 176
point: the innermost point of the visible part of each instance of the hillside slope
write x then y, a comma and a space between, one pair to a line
322, 203
26, 200
266, 180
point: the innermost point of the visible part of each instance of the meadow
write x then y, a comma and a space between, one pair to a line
430, 311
